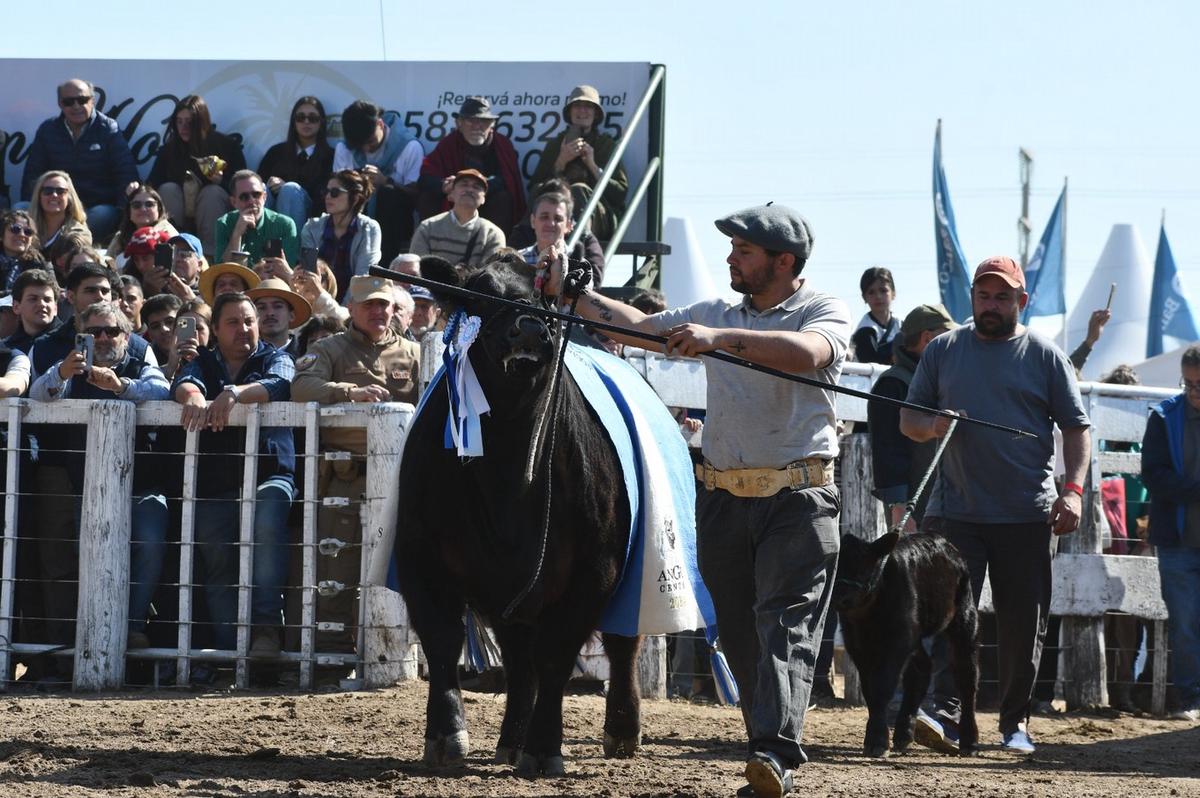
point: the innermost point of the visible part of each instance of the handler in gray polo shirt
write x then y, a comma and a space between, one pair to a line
767, 518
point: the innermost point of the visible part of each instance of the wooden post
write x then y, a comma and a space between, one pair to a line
652, 666
9, 567
102, 620
308, 551
1158, 694
863, 516
1085, 672
246, 544
187, 549
389, 649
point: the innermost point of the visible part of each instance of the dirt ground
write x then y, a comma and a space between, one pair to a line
369, 744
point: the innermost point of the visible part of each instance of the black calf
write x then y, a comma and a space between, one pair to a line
889, 594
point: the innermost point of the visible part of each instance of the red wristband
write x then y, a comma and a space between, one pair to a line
1071, 486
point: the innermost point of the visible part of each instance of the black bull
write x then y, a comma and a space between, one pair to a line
471, 531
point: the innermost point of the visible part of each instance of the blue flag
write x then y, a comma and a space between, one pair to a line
953, 282
1170, 313
1044, 274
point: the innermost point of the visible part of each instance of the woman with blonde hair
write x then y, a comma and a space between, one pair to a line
56, 208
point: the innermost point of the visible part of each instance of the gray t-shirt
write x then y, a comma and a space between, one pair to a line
754, 420
988, 476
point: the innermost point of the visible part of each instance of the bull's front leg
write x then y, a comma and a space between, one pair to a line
622, 710
437, 617
520, 676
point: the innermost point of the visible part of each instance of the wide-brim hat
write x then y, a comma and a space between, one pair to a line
274, 287
209, 276
583, 94
475, 108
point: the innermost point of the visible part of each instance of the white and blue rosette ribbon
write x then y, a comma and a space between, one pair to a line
467, 401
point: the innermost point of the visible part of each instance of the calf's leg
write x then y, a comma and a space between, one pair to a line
916, 683
962, 635
879, 690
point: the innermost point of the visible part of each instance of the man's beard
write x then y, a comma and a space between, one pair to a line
994, 325
108, 355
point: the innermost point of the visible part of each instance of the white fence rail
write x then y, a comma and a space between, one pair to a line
386, 650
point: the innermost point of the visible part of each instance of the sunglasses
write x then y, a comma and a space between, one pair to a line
335, 191
67, 102
143, 205
20, 230
310, 118
246, 196
54, 191
96, 332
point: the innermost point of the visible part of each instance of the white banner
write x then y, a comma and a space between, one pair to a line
253, 99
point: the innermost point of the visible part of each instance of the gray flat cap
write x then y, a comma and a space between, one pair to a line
774, 227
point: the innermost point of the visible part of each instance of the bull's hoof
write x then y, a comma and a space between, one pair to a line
876, 751
506, 755
450, 749
621, 748
530, 766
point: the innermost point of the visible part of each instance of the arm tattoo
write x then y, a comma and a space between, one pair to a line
605, 313
738, 346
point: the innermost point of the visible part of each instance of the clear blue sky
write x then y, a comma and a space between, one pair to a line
829, 108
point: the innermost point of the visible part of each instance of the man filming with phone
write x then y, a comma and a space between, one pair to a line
257, 230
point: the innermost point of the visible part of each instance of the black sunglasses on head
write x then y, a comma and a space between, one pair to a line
82, 99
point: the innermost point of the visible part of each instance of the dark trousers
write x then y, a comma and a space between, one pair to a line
1017, 559
395, 207
769, 565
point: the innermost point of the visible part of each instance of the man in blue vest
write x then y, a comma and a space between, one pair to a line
121, 371
91, 148
1171, 471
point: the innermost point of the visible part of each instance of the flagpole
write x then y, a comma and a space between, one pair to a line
1064, 260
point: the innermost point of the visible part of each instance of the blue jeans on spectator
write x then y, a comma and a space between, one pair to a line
1179, 572
148, 546
291, 200
218, 530
102, 220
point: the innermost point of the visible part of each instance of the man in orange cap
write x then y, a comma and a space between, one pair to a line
998, 499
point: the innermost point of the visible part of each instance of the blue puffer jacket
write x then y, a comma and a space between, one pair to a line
100, 163
1171, 489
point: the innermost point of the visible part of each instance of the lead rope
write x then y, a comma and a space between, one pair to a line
552, 410
937, 456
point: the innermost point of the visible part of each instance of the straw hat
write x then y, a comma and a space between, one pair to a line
209, 276
274, 287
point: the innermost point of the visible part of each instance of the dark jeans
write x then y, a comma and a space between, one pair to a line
394, 208
1017, 559
769, 565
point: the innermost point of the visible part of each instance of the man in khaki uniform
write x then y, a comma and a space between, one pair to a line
367, 363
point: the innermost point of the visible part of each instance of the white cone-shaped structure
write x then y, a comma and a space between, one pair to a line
685, 275
1125, 262
1160, 371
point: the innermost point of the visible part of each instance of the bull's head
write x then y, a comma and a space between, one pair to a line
515, 351
860, 570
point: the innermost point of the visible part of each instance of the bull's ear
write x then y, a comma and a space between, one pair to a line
442, 271
884, 545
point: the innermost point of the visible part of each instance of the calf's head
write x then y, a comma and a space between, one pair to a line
860, 570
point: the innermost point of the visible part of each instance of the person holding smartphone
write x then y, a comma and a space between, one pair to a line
255, 229
345, 238
149, 259
578, 155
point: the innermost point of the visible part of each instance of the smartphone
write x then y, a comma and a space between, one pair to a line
573, 132
86, 343
273, 248
185, 329
240, 258
308, 259
164, 256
